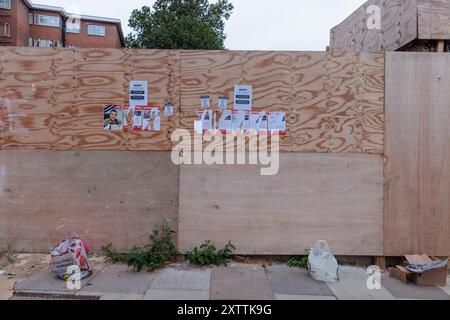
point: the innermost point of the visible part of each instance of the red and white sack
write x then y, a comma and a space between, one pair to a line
69, 253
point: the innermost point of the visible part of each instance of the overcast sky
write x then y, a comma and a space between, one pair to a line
255, 24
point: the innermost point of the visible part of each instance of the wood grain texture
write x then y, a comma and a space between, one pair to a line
105, 196
334, 197
54, 98
334, 102
434, 19
417, 193
398, 28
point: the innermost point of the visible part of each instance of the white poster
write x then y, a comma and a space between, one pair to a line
226, 121
223, 103
151, 119
205, 102
238, 119
258, 121
206, 119
277, 122
138, 93
168, 110
137, 118
243, 97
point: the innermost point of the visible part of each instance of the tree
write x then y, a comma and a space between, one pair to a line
180, 24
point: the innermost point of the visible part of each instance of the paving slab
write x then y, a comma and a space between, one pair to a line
46, 281
6, 288
353, 286
121, 296
240, 282
182, 279
446, 289
287, 297
295, 281
401, 290
119, 279
176, 294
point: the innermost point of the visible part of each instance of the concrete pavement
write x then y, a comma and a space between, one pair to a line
236, 282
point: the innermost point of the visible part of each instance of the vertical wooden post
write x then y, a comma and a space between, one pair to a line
380, 262
440, 46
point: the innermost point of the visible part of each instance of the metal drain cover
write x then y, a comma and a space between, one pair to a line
50, 296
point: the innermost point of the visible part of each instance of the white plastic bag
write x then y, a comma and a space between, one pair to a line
322, 265
71, 252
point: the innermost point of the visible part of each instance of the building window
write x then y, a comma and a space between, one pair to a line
7, 30
73, 27
30, 18
5, 4
94, 30
42, 43
50, 21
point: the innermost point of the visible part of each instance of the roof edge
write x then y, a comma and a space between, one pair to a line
64, 13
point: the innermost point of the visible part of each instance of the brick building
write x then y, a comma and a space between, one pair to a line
25, 24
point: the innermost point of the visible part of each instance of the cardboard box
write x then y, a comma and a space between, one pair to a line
435, 277
400, 273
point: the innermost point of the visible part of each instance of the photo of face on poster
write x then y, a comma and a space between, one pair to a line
112, 118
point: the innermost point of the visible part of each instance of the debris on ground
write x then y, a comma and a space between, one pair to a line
421, 270
72, 252
322, 264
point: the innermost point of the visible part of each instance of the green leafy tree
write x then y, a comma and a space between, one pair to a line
180, 24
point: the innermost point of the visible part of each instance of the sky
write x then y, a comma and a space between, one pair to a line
302, 25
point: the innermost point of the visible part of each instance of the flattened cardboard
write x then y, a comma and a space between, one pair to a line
418, 259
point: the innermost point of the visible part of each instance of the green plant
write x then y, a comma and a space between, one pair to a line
112, 255
301, 262
180, 24
156, 254
209, 255
153, 256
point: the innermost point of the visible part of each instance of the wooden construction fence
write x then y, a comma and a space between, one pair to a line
402, 22
53, 99
54, 152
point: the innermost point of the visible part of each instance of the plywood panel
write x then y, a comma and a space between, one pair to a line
434, 19
54, 98
105, 196
161, 68
417, 197
2, 101
333, 197
334, 102
398, 27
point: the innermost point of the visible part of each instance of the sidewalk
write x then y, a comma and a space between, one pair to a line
236, 282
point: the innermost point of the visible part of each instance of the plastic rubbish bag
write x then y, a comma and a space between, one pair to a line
71, 252
322, 265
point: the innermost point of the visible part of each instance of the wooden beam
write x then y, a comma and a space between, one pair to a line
440, 46
380, 262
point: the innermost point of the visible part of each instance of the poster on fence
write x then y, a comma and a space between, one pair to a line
151, 119
112, 118
127, 118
